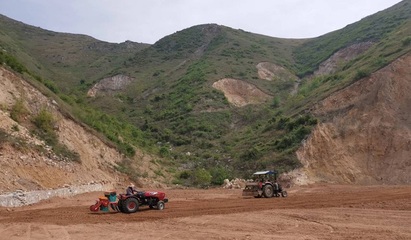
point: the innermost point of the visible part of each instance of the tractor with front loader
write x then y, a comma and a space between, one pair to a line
264, 184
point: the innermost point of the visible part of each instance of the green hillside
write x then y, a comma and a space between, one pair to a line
171, 108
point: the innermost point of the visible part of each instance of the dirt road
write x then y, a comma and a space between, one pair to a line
314, 212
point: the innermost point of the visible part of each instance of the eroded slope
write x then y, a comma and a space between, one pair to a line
27, 163
366, 137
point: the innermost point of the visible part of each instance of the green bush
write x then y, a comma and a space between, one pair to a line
164, 152
219, 174
18, 111
361, 74
406, 41
44, 122
184, 174
201, 177
12, 62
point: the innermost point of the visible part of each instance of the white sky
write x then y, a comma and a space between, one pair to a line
150, 20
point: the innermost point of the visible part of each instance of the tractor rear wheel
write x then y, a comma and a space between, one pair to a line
130, 205
121, 205
160, 205
268, 191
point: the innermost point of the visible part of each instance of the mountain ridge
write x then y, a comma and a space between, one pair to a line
169, 107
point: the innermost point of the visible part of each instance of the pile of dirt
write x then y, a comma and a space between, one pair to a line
366, 137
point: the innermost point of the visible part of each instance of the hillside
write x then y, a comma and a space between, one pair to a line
210, 102
69, 57
365, 137
29, 162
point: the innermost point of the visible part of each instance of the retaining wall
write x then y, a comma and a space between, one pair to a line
20, 198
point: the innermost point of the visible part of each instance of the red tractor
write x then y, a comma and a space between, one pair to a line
130, 203
264, 184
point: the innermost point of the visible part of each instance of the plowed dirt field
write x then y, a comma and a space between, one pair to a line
311, 212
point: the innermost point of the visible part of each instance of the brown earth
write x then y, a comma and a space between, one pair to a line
310, 212
273, 72
240, 93
365, 136
27, 163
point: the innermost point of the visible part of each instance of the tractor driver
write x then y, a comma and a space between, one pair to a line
131, 190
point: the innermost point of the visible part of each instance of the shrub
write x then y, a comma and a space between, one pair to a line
164, 152
219, 174
202, 177
12, 62
361, 74
406, 41
184, 174
18, 111
44, 122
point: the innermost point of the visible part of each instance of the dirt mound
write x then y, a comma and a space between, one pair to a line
240, 93
366, 137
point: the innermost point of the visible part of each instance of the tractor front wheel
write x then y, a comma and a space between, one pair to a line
160, 205
130, 205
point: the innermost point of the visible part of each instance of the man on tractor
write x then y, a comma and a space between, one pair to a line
131, 190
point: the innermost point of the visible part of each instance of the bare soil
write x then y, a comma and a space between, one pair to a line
309, 212
240, 93
364, 136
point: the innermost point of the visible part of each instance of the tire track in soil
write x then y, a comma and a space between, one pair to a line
323, 197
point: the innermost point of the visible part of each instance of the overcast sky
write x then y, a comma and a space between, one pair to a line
149, 20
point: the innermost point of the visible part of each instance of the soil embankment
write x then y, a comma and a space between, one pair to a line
366, 135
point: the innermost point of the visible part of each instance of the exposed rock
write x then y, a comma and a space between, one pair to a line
341, 57
240, 93
272, 72
234, 183
110, 85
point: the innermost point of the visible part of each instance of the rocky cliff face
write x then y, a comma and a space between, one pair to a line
366, 138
